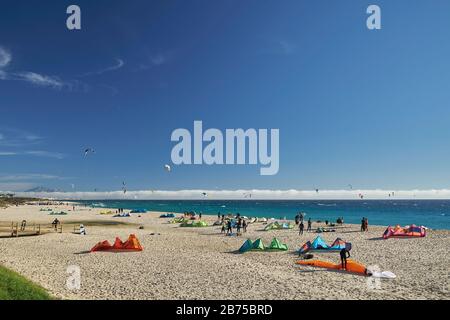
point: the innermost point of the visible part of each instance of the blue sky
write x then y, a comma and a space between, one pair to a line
360, 107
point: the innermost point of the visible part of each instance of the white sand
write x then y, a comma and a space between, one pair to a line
200, 263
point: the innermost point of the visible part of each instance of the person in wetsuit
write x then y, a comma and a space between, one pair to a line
344, 253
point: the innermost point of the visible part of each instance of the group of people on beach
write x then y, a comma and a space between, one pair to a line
364, 224
227, 225
301, 226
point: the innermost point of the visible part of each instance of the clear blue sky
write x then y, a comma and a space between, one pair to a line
368, 108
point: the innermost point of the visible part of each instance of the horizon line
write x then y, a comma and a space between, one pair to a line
246, 194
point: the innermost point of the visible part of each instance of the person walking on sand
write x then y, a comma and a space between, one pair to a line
309, 225
344, 253
301, 227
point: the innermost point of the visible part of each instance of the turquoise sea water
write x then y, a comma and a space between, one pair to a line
434, 214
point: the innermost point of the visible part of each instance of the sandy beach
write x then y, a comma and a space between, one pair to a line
201, 263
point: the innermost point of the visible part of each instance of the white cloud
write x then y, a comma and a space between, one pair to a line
158, 60
28, 176
7, 153
256, 194
119, 64
39, 79
5, 58
32, 77
47, 154
155, 61
13, 186
10, 137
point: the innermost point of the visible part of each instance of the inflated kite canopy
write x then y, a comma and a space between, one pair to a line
132, 244
409, 231
319, 244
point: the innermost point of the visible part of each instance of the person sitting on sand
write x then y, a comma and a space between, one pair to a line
344, 253
301, 227
309, 225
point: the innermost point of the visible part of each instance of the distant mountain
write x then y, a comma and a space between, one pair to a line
41, 189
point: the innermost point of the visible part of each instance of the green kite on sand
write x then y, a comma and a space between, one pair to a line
258, 245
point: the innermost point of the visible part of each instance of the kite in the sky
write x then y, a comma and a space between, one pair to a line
124, 187
167, 167
87, 150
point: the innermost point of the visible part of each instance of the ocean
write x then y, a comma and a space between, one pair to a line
434, 214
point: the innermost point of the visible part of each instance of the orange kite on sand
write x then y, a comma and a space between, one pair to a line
352, 266
132, 244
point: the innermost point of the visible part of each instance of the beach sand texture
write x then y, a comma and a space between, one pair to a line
200, 263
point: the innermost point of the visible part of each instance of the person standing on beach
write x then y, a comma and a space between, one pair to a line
309, 225
200, 216
301, 227
229, 228
344, 253
223, 227
297, 219
363, 224
366, 224
244, 226
238, 227
218, 215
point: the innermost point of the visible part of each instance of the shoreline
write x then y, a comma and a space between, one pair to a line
258, 216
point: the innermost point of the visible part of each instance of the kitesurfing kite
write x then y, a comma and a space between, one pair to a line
88, 150
124, 187
167, 167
